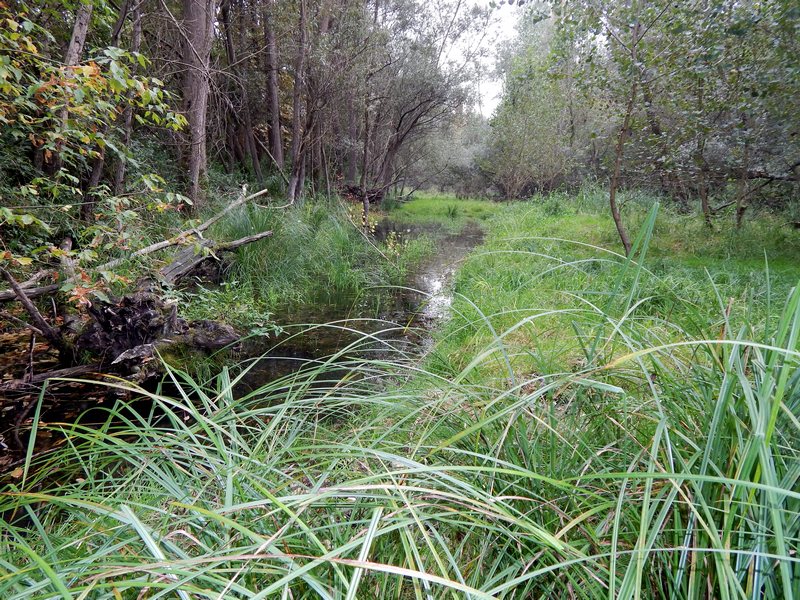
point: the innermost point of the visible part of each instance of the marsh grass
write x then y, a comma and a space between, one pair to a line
315, 258
654, 463
444, 209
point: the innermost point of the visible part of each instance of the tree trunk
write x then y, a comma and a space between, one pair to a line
351, 169
742, 183
71, 57
364, 167
127, 121
198, 20
295, 181
612, 195
79, 32
273, 95
619, 151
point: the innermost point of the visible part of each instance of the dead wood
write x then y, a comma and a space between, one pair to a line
183, 237
52, 334
39, 378
190, 258
356, 193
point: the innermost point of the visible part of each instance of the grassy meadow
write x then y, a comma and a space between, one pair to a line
585, 426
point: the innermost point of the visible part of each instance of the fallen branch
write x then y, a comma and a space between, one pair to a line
33, 382
181, 238
52, 335
190, 258
7, 295
11, 317
184, 235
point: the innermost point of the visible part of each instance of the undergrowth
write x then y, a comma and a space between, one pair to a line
315, 261
659, 459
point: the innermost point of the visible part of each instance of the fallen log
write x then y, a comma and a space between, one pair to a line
188, 259
39, 378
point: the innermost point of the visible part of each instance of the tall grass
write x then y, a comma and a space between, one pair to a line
315, 259
660, 464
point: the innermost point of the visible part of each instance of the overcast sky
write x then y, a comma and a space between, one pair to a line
503, 29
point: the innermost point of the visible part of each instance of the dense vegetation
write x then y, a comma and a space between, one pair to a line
595, 425
610, 407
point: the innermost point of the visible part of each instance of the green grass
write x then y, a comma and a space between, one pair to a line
658, 457
444, 209
316, 262
561, 254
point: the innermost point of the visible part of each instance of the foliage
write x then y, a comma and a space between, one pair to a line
538, 128
712, 90
58, 123
315, 261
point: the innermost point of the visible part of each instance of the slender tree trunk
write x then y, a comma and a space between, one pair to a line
700, 161
620, 148
245, 119
72, 56
364, 167
198, 20
612, 195
295, 181
742, 183
351, 169
79, 32
127, 119
273, 93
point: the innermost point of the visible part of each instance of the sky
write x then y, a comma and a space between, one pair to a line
502, 30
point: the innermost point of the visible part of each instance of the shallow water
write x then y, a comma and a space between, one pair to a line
401, 330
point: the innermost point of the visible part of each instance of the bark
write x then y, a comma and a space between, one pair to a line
73, 54
273, 91
618, 154
351, 169
620, 148
198, 21
364, 166
295, 180
71, 57
188, 259
52, 334
742, 183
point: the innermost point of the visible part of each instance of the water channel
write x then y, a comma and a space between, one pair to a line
402, 327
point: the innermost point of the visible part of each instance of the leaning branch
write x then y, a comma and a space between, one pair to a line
189, 258
180, 238
41, 324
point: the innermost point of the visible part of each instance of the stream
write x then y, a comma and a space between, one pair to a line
403, 326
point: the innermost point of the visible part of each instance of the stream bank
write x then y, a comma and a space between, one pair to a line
401, 326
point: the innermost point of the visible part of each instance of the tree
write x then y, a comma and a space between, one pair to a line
197, 37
